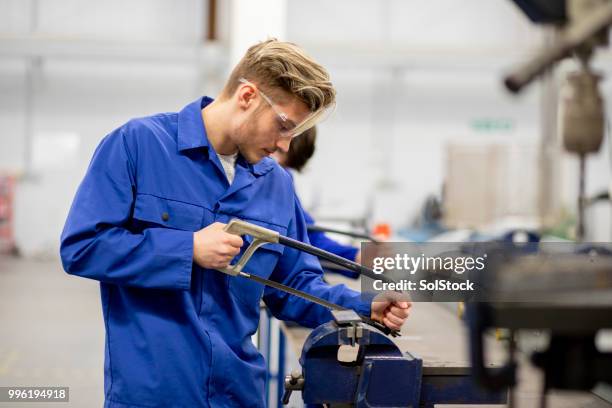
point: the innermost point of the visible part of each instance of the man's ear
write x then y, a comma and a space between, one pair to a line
246, 96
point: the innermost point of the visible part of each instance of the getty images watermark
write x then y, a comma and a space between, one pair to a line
429, 264
484, 271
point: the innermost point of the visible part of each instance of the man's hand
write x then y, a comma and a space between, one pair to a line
391, 313
214, 248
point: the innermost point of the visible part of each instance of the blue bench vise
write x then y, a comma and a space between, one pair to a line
380, 375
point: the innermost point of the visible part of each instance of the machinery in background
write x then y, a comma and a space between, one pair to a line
7, 192
585, 27
570, 297
574, 294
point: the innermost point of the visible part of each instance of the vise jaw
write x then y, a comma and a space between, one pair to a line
379, 376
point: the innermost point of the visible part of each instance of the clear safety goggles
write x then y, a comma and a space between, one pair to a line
290, 129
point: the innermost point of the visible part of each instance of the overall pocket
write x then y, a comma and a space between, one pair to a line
153, 211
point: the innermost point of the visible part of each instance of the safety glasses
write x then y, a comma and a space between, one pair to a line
290, 129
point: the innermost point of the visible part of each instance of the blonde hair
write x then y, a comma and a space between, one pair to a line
274, 65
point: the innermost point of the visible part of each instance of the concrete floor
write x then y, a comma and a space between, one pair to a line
51, 331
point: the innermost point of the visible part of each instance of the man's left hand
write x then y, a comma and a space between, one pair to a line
391, 313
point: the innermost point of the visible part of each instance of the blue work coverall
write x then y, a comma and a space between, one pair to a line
178, 335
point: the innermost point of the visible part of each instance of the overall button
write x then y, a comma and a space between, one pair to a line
165, 216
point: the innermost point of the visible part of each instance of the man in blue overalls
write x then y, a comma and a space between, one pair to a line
147, 222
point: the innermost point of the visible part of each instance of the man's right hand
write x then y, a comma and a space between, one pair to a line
213, 248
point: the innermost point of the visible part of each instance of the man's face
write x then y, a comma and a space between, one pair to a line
259, 131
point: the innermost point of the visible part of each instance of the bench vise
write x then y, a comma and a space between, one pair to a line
378, 374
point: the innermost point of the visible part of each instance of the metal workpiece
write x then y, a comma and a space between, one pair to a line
349, 327
353, 334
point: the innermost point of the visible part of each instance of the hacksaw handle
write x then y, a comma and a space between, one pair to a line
239, 227
260, 236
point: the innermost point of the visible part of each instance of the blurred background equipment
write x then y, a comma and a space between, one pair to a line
7, 202
584, 28
568, 297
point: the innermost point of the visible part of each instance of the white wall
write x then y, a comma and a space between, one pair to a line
116, 20
431, 69
412, 77
440, 24
87, 100
77, 100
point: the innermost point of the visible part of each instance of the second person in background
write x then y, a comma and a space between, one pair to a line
300, 151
